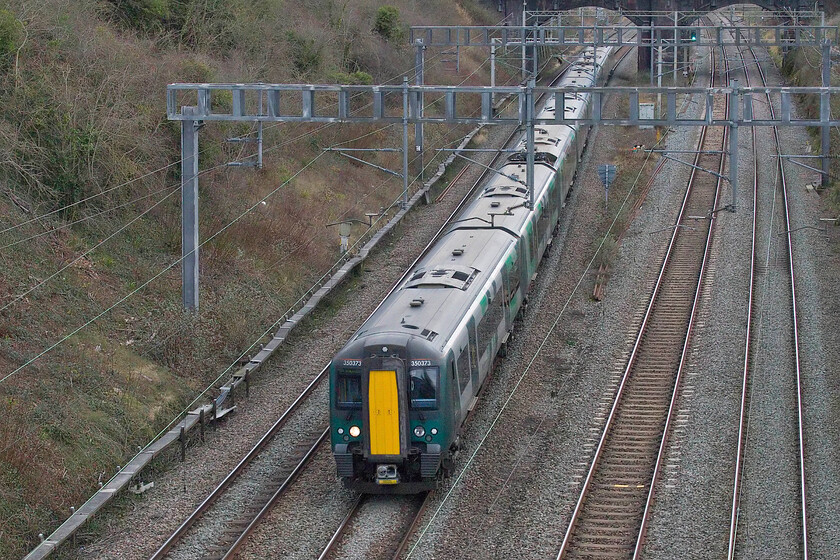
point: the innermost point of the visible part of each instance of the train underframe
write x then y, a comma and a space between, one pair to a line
421, 470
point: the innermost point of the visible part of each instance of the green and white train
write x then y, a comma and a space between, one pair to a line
402, 387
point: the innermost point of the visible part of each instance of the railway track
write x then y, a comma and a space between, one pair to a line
403, 513
747, 380
229, 536
610, 516
228, 539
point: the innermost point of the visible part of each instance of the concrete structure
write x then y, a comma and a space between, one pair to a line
654, 12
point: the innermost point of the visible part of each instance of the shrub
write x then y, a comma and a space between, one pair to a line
9, 37
146, 15
354, 78
388, 24
306, 52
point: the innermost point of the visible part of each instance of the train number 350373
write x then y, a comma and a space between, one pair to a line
420, 363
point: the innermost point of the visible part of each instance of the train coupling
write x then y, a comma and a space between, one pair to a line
386, 474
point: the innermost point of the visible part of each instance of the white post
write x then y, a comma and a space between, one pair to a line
493, 70
405, 143
676, 48
659, 75
524, 54
189, 209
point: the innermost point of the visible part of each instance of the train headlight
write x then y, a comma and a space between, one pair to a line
419, 431
355, 431
434, 431
340, 431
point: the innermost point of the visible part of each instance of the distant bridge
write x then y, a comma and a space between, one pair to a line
655, 12
509, 7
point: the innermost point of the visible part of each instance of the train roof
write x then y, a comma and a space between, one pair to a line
438, 294
441, 289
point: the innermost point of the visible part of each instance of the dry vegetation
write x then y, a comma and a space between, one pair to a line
802, 67
82, 110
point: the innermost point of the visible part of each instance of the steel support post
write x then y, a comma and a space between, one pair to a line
189, 209
529, 147
405, 144
659, 76
259, 145
535, 57
419, 61
524, 38
676, 47
825, 114
260, 135
733, 143
652, 56
493, 72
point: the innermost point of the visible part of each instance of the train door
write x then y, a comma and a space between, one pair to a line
473, 355
387, 421
453, 393
464, 382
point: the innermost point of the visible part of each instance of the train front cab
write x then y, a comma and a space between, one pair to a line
388, 420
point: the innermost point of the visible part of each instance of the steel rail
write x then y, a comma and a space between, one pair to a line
266, 438
240, 540
414, 523
742, 420
660, 458
269, 435
237, 470
485, 172
354, 509
800, 414
631, 362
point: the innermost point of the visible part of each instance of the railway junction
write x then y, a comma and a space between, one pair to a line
690, 422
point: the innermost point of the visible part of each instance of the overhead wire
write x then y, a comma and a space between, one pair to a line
86, 218
125, 226
122, 228
161, 273
158, 170
267, 331
88, 199
531, 362
238, 360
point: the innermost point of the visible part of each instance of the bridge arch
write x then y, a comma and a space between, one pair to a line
702, 6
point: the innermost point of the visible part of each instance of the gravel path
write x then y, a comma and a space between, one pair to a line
145, 522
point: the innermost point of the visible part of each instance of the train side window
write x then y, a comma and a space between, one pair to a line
463, 369
349, 392
423, 387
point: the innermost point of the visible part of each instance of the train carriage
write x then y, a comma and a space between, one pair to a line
402, 387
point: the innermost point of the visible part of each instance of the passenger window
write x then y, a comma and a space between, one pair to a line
423, 385
349, 392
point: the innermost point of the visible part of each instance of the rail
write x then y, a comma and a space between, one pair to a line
617, 539
799, 410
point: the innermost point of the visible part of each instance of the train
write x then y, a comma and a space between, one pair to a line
401, 388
